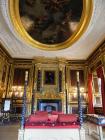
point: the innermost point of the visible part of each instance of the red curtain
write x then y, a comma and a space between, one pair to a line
90, 96
100, 74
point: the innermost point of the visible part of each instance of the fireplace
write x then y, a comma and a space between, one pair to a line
49, 105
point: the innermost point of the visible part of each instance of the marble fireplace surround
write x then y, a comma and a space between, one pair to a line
49, 105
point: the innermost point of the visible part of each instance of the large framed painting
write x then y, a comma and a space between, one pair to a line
50, 24
73, 77
19, 76
49, 77
50, 21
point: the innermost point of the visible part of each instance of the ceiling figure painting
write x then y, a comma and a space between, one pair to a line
50, 21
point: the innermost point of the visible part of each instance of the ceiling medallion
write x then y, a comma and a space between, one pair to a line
50, 24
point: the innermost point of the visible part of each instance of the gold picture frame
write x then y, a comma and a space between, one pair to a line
49, 77
18, 26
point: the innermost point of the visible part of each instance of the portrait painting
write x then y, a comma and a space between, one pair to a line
50, 21
49, 77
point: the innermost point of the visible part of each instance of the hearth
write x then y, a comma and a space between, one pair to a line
49, 105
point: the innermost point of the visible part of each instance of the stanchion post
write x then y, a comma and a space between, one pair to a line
80, 111
24, 101
66, 102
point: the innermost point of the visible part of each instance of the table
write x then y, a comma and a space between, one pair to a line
95, 123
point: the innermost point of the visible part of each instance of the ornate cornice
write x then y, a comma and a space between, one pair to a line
22, 63
99, 51
49, 96
4, 53
95, 59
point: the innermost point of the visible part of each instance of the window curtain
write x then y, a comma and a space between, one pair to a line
100, 74
90, 96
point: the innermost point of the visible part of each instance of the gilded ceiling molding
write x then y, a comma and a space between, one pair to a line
4, 52
83, 24
100, 48
96, 58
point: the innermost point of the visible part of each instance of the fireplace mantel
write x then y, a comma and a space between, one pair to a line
58, 98
50, 95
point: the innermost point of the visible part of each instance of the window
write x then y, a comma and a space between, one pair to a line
97, 97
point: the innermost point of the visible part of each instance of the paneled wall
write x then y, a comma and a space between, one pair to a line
49, 78
5, 61
72, 68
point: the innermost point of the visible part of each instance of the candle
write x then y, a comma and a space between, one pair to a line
77, 76
26, 76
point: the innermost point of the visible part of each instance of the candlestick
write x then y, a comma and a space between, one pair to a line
80, 111
26, 76
77, 76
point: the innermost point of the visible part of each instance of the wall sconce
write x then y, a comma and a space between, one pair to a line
74, 89
82, 89
75, 95
17, 91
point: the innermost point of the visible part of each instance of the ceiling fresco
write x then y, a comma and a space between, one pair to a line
50, 21
16, 42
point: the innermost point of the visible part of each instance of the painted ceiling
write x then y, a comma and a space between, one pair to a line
81, 49
49, 22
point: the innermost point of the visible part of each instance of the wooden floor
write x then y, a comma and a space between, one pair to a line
10, 132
